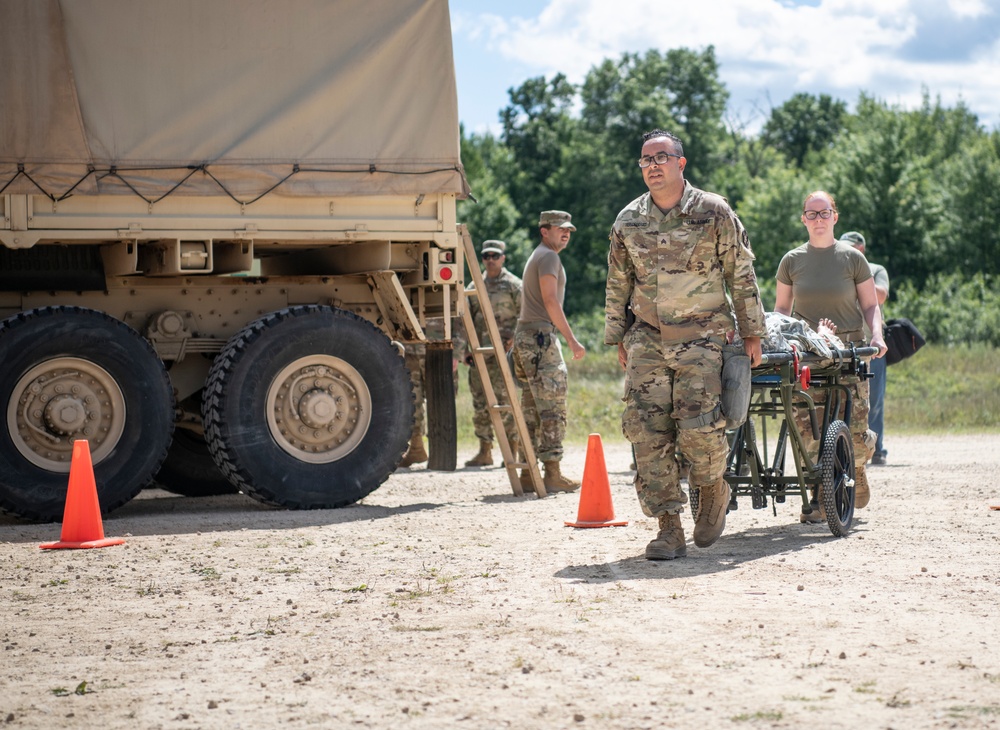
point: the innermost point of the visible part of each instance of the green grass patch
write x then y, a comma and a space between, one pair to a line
761, 716
965, 712
944, 389
207, 573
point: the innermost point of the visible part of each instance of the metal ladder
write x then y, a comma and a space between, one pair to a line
496, 408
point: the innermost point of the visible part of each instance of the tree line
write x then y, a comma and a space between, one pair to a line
922, 185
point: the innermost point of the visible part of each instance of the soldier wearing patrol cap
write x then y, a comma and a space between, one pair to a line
543, 399
876, 412
504, 292
681, 261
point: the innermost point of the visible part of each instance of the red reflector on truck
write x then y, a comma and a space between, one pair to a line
445, 273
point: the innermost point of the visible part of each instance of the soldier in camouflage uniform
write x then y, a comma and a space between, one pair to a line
504, 291
415, 356
543, 400
675, 253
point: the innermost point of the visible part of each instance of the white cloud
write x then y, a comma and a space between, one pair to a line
969, 8
770, 50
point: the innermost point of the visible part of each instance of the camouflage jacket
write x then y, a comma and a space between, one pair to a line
505, 297
685, 272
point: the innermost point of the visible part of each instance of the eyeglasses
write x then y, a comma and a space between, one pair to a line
811, 215
491, 256
660, 158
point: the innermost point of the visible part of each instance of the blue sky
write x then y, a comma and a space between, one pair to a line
767, 49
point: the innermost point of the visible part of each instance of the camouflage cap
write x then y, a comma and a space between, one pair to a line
854, 238
557, 218
493, 246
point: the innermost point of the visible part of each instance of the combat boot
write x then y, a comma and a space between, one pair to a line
416, 454
861, 491
554, 481
711, 520
815, 517
526, 484
485, 455
515, 450
669, 541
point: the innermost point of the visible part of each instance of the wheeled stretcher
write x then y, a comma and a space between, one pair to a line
783, 382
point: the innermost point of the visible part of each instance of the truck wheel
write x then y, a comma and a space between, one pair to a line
442, 428
309, 407
836, 459
190, 469
70, 373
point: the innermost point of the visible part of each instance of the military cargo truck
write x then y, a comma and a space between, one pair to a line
220, 221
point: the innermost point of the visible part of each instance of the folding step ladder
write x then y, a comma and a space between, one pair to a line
479, 352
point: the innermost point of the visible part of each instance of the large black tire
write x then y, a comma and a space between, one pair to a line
68, 373
309, 407
442, 427
190, 469
836, 458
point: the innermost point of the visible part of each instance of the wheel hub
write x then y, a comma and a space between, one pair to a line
60, 401
318, 409
65, 415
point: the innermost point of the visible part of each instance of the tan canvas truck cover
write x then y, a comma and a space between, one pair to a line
291, 97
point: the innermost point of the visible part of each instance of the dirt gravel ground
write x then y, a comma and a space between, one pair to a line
444, 601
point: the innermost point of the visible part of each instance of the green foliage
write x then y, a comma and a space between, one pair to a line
678, 90
952, 309
491, 214
586, 164
967, 234
744, 162
770, 214
804, 124
881, 176
921, 184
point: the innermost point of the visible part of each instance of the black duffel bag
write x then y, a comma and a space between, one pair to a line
902, 338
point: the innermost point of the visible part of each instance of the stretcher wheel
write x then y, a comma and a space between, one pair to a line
836, 459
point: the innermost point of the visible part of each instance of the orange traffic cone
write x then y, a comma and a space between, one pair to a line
81, 526
595, 494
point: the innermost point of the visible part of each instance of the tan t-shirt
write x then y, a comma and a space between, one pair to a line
542, 262
824, 284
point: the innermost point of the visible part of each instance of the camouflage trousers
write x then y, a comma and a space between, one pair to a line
667, 388
481, 414
862, 437
415, 357
543, 400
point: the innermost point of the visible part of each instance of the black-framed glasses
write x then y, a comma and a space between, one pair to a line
491, 256
811, 215
660, 158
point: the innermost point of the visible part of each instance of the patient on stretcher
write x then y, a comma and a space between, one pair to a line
783, 331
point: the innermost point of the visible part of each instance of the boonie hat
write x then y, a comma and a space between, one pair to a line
557, 218
493, 246
854, 238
